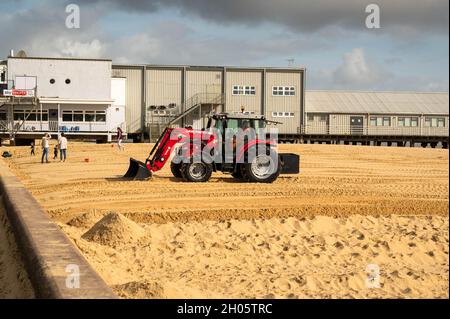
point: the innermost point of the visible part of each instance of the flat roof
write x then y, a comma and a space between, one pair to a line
376, 102
212, 67
57, 58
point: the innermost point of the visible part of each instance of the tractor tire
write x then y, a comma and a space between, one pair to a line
196, 172
263, 168
176, 170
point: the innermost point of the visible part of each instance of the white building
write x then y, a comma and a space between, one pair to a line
75, 96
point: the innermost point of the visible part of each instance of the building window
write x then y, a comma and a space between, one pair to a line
67, 116
244, 90
380, 121
100, 116
323, 118
408, 121
283, 90
31, 116
44, 116
310, 117
435, 122
2, 116
89, 116
283, 114
78, 116
19, 115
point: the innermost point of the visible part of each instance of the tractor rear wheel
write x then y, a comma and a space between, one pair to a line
196, 172
176, 169
263, 168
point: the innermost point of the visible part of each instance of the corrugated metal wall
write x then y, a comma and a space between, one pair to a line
203, 81
164, 86
317, 123
252, 103
133, 109
291, 125
339, 124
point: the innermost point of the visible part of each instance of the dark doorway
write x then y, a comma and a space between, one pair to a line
53, 120
356, 125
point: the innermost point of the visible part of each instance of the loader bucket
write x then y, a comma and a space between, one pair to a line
137, 171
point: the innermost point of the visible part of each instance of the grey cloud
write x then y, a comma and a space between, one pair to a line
404, 17
41, 30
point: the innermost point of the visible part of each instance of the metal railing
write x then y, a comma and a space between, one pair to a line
325, 129
158, 122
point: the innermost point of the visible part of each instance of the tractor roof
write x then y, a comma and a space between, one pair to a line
239, 116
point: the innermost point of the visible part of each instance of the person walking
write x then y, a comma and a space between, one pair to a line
119, 139
55, 152
32, 149
62, 147
45, 143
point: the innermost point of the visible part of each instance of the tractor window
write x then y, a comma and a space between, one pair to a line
233, 124
258, 124
215, 124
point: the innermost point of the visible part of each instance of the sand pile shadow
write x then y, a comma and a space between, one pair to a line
86, 220
114, 230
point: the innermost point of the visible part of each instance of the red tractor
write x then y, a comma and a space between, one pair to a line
250, 157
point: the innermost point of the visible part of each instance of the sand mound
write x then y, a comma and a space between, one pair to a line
86, 220
113, 230
140, 290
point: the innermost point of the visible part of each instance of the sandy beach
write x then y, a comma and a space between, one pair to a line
310, 235
14, 281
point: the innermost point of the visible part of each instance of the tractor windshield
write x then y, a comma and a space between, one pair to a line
235, 124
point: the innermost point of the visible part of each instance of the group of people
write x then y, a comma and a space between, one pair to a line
45, 144
61, 146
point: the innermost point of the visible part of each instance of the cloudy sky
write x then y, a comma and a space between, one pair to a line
408, 52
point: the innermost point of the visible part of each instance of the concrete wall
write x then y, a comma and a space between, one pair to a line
89, 79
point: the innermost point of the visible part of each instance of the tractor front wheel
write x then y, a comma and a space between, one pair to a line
196, 172
263, 168
176, 169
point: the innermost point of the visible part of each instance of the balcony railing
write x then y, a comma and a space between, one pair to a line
324, 129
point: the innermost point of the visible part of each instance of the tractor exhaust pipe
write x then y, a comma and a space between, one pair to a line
137, 171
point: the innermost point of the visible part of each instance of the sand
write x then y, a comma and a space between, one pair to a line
14, 280
310, 235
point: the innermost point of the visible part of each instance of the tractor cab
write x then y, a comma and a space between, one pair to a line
225, 122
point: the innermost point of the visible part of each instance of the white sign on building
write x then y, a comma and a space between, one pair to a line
18, 93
